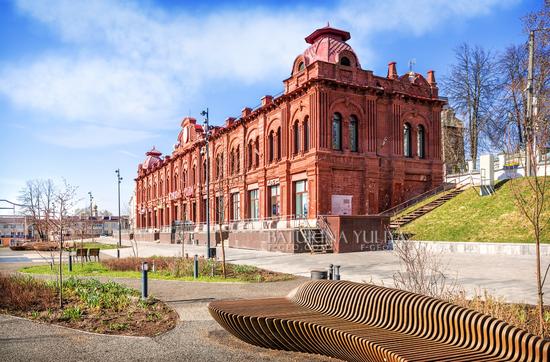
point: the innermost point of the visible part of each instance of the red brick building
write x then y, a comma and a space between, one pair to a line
339, 140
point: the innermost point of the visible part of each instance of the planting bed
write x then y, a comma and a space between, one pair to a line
89, 305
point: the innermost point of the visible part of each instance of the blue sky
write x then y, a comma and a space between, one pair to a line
89, 86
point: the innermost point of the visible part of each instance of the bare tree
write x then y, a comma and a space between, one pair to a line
37, 199
471, 87
422, 271
513, 69
530, 193
63, 201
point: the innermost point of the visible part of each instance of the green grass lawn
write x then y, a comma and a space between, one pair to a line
91, 245
97, 269
470, 217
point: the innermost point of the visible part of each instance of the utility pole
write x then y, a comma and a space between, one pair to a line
91, 216
119, 245
530, 151
206, 137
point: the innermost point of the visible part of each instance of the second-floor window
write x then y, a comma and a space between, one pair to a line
296, 131
407, 147
337, 131
305, 128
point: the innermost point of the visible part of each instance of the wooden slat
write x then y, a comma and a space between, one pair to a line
362, 322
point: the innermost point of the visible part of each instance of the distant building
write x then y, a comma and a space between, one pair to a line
452, 141
101, 225
14, 229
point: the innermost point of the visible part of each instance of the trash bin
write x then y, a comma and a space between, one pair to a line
213, 253
318, 274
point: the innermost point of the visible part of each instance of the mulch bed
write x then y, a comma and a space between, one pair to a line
35, 300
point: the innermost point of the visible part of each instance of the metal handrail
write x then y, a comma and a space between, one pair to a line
419, 198
322, 224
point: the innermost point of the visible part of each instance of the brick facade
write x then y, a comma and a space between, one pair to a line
336, 127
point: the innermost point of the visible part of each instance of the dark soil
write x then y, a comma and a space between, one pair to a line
36, 300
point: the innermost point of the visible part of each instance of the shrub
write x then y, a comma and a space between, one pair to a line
26, 293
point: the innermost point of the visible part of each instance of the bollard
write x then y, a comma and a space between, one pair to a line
144, 271
118, 253
70, 262
336, 275
330, 272
318, 274
196, 267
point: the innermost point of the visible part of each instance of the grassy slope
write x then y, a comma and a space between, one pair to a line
469, 217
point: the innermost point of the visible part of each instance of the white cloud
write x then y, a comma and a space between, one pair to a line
133, 65
90, 136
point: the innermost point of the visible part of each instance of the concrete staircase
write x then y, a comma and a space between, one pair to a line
316, 241
403, 219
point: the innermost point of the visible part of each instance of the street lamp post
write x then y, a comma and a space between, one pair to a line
531, 152
91, 220
206, 137
119, 245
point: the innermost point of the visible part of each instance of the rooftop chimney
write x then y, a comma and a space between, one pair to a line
246, 111
229, 120
266, 100
392, 71
431, 78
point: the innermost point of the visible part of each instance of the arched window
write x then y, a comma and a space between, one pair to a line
250, 154
420, 142
257, 152
407, 147
184, 181
193, 173
237, 161
306, 133
271, 147
204, 170
279, 143
345, 61
301, 66
219, 166
296, 131
337, 131
353, 139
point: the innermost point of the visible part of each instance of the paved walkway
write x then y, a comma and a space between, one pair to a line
511, 277
196, 338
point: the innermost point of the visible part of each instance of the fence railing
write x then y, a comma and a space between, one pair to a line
269, 223
419, 198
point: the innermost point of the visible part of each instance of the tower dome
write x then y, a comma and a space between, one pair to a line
152, 159
329, 45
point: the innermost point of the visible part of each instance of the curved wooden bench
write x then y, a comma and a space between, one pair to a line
362, 322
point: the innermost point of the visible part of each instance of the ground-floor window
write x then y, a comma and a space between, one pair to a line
301, 198
275, 200
253, 196
203, 211
236, 206
194, 211
220, 212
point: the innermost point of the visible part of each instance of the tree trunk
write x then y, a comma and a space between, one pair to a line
539, 287
61, 270
223, 258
